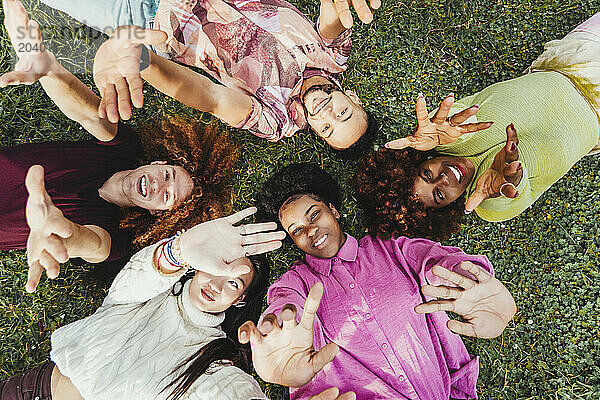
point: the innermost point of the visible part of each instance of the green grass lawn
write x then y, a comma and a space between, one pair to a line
547, 257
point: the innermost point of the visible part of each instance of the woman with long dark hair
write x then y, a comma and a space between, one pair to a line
162, 332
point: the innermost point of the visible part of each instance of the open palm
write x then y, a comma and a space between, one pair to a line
285, 354
440, 129
485, 305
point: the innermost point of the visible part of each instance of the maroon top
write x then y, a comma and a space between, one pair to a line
74, 171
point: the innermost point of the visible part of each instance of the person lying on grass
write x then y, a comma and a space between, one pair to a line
544, 122
378, 305
165, 330
92, 191
276, 69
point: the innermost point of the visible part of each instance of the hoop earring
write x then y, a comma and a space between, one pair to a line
240, 304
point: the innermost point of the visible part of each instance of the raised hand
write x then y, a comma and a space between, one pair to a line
342, 8
440, 129
333, 393
213, 245
503, 176
485, 305
46, 247
285, 354
117, 70
34, 61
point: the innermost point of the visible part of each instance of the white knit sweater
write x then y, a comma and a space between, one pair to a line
129, 347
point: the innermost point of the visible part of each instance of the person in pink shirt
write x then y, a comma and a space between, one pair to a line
378, 305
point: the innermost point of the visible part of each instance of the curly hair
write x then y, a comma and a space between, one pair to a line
206, 154
384, 184
292, 182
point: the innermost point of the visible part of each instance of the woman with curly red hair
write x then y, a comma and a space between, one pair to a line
88, 199
545, 121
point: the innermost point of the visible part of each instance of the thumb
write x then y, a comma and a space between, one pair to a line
34, 182
324, 356
475, 200
249, 333
15, 78
401, 143
149, 36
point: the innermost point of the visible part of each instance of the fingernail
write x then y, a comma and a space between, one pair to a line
450, 94
467, 212
387, 145
519, 166
513, 146
243, 335
512, 126
517, 194
420, 95
475, 106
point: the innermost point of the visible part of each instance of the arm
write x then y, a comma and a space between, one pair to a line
118, 77
73, 98
53, 239
197, 91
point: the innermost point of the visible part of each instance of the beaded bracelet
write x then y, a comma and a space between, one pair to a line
171, 253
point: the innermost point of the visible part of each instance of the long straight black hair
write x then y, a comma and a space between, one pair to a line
226, 350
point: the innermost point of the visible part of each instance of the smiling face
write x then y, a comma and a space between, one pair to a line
215, 294
441, 180
157, 186
313, 226
335, 116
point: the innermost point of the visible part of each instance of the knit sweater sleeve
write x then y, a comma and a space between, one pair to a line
139, 280
227, 383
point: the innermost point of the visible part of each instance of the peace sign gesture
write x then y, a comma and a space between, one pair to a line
212, 246
440, 129
503, 176
485, 304
285, 354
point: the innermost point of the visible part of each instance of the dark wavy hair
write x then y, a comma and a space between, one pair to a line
384, 183
224, 351
292, 182
207, 155
364, 143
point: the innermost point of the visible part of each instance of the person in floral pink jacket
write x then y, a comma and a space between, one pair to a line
275, 67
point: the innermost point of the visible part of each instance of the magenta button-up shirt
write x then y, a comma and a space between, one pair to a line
387, 351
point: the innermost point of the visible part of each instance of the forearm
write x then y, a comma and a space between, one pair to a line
197, 91
76, 100
329, 24
90, 242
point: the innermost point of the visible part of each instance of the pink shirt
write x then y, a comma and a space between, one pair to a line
387, 351
264, 48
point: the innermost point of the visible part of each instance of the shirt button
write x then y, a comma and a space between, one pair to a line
352, 286
384, 346
368, 316
401, 378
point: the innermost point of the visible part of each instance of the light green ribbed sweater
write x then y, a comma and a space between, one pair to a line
556, 127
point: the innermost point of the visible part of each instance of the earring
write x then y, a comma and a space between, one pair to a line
240, 304
429, 157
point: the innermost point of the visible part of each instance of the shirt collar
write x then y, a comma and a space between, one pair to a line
348, 253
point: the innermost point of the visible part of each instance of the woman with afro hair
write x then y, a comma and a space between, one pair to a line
90, 199
544, 122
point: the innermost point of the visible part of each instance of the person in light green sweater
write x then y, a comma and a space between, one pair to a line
540, 125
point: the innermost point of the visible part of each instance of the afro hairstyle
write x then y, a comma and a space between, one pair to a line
292, 182
384, 183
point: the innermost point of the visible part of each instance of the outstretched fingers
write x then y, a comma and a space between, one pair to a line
445, 292
442, 112
311, 305
343, 10
266, 237
461, 328
249, 333
421, 109
435, 306
401, 143
34, 182
458, 279
481, 274
324, 356
34, 275
363, 11
288, 317
240, 215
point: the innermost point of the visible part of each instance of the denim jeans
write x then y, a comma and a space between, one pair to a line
105, 15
